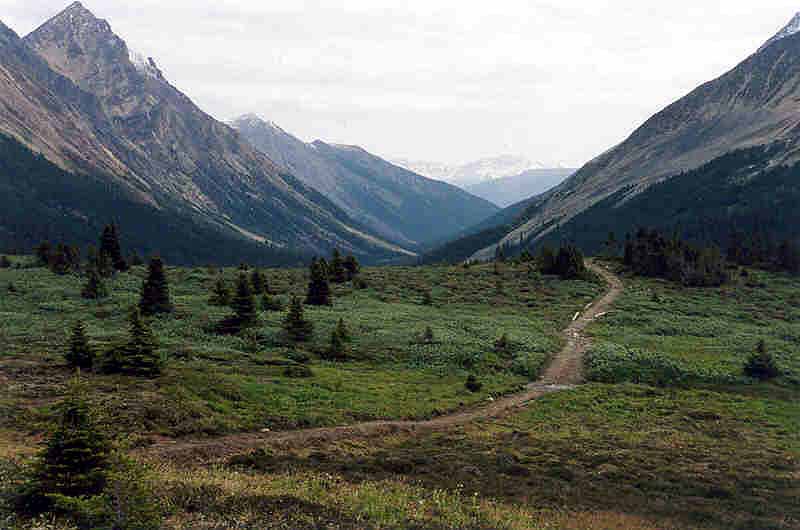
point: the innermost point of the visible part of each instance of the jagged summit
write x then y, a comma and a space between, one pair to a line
790, 29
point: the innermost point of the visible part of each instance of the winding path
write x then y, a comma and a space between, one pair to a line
564, 372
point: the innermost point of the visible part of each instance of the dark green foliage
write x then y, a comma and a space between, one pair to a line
40, 201
472, 384
360, 283
112, 250
336, 270
298, 371
650, 254
43, 251
567, 263
319, 290
61, 260
788, 258
244, 304
336, 351
761, 364
258, 282
738, 198
244, 308
5, 263
95, 288
270, 303
220, 294
343, 331
352, 266
80, 353
155, 290
75, 461
295, 324
427, 336
139, 355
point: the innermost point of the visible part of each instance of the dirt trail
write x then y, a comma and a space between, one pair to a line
563, 373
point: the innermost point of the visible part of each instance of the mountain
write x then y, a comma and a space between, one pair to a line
506, 191
754, 104
73, 92
398, 205
473, 173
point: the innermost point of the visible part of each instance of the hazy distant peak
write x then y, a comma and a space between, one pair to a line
254, 121
790, 29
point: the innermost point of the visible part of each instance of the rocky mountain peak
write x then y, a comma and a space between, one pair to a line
788, 30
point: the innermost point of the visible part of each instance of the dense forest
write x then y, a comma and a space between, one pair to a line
41, 202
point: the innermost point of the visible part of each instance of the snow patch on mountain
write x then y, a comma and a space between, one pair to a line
790, 29
145, 65
472, 173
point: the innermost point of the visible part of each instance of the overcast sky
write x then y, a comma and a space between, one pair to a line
440, 80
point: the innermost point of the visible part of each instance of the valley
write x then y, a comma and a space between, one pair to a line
210, 323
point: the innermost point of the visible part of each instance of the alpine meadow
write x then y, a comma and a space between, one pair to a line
211, 324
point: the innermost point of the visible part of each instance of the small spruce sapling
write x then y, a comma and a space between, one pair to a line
80, 353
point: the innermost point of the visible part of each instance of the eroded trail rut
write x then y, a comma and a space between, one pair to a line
563, 373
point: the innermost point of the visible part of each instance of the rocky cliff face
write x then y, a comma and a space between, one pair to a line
753, 104
73, 91
393, 202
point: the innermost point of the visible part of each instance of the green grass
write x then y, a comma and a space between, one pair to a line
703, 335
217, 384
682, 458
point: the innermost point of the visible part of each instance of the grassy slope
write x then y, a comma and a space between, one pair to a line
217, 384
606, 456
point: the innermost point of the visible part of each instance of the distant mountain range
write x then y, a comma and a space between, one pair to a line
93, 124
710, 135
505, 191
393, 202
477, 172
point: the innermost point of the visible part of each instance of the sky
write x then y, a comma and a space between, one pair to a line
451, 81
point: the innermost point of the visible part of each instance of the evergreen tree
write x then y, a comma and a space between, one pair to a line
336, 350
95, 288
319, 290
427, 297
428, 337
111, 248
295, 324
43, 253
155, 290
80, 353
789, 257
139, 355
547, 260
5, 263
761, 364
352, 267
258, 282
472, 384
243, 304
76, 459
60, 260
270, 303
342, 331
337, 270
220, 294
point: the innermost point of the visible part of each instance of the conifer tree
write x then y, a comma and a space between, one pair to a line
257, 280
336, 350
43, 253
5, 263
270, 303
243, 304
76, 459
342, 331
155, 290
427, 297
220, 294
139, 355
95, 288
352, 267
319, 290
111, 248
80, 353
295, 324
761, 364
337, 271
